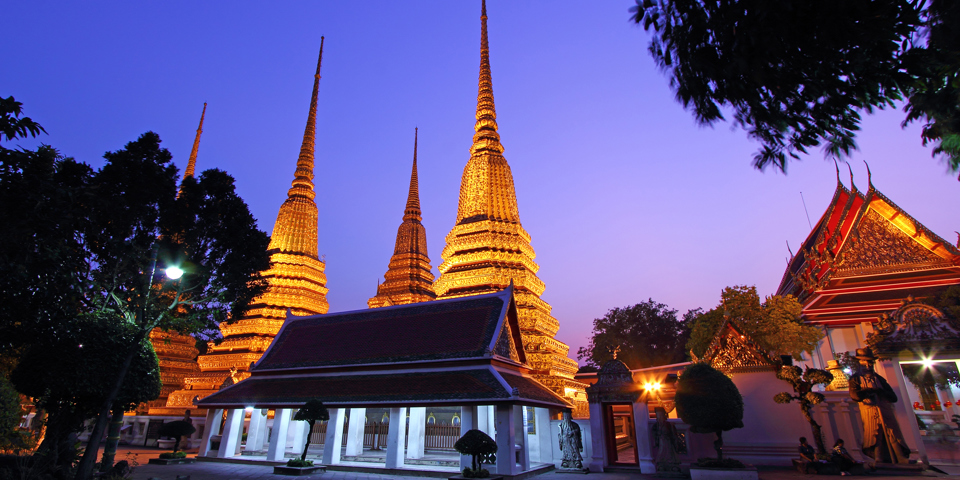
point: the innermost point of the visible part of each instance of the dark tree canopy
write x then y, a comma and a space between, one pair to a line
648, 334
311, 412
709, 402
775, 325
478, 445
798, 74
78, 241
176, 430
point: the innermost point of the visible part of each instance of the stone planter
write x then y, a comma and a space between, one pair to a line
298, 471
705, 473
461, 477
171, 461
166, 443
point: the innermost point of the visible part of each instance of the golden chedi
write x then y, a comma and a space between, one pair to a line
295, 280
488, 247
177, 353
408, 278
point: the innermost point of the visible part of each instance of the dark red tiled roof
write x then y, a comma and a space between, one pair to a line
460, 328
474, 386
531, 389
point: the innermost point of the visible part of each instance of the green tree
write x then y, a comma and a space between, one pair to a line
803, 382
798, 73
311, 412
709, 402
69, 373
775, 325
648, 333
81, 241
11, 413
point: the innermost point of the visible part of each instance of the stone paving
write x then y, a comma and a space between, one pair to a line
233, 471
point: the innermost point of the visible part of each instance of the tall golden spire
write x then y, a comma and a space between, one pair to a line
296, 228
192, 163
408, 278
488, 247
295, 280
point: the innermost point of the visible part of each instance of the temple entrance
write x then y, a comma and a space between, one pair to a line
621, 436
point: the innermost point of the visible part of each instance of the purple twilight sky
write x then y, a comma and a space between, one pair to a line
625, 196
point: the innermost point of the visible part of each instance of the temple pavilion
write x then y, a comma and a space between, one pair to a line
486, 251
870, 274
465, 352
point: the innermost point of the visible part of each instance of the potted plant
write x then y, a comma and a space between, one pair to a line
481, 448
709, 402
803, 382
175, 430
310, 412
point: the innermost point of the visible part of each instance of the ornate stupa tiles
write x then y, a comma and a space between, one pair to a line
488, 247
295, 280
409, 278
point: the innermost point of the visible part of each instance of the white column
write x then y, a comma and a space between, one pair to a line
334, 439
258, 422
418, 432
468, 421
544, 434
520, 436
906, 417
278, 437
228, 441
597, 435
396, 434
355, 429
641, 422
261, 440
295, 438
211, 428
483, 419
506, 440
239, 434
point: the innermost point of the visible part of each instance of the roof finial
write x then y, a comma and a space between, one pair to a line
869, 175
413, 197
486, 136
853, 186
192, 162
958, 238
837, 166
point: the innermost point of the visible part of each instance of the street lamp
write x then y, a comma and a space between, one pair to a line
174, 272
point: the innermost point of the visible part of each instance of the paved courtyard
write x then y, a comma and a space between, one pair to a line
233, 471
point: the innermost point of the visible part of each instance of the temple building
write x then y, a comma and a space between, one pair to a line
408, 278
871, 275
295, 281
488, 247
177, 353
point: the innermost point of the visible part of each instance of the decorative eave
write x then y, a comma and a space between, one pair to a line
916, 329
734, 351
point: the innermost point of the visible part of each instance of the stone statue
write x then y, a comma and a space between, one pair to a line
571, 443
667, 441
882, 440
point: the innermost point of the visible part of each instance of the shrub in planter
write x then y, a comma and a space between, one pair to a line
709, 402
296, 462
481, 448
176, 430
803, 382
310, 412
173, 455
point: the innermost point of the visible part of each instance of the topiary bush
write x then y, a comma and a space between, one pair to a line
173, 455
709, 402
176, 430
803, 382
296, 462
481, 448
311, 412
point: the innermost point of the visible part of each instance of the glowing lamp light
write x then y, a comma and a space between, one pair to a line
174, 272
848, 371
248, 409
651, 386
927, 363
